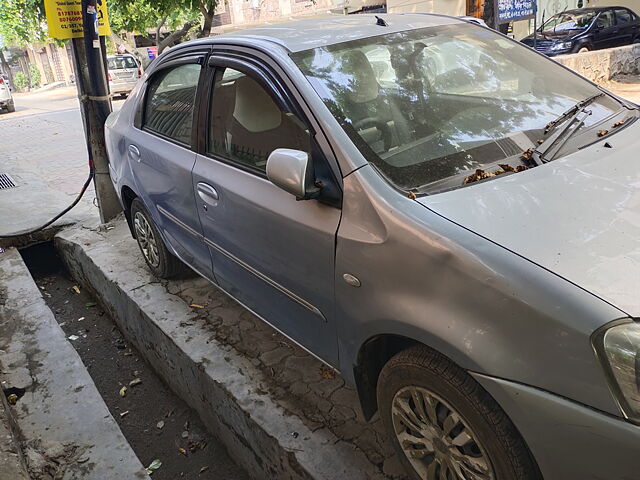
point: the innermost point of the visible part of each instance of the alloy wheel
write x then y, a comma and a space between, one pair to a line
146, 239
436, 441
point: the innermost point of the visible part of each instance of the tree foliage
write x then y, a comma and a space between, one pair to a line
22, 21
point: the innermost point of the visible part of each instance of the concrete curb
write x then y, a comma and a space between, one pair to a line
211, 377
63, 426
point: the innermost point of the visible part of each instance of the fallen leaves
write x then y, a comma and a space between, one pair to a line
203, 469
135, 381
90, 304
76, 289
602, 133
619, 123
480, 174
195, 305
123, 391
327, 373
160, 425
12, 399
153, 466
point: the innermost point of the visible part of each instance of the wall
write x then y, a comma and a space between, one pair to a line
443, 7
600, 66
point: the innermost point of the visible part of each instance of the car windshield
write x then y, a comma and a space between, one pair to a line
120, 63
568, 21
426, 105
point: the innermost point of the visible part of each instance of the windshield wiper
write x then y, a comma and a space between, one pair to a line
540, 154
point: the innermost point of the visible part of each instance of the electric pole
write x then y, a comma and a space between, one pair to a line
95, 106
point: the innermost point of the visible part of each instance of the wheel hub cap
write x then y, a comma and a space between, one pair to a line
146, 239
434, 438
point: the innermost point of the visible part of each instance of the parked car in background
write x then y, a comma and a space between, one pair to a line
6, 99
123, 72
586, 29
7, 80
440, 214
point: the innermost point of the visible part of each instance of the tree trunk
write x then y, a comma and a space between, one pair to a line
207, 14
158, 28
5, 68
175, 37
128, 47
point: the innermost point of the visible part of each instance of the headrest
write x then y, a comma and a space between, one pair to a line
254, 109
364, 87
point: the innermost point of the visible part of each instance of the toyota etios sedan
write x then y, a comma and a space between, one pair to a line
445, 216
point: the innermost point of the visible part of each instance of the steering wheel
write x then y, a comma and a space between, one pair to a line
380, 125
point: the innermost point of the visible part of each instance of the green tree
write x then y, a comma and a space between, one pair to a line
22, 21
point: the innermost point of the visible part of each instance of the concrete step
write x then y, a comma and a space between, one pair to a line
279, 411
63, 427
11, 467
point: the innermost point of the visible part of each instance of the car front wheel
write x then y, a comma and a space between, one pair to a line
444, 425
161, 262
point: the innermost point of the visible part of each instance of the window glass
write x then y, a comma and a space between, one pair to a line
427, 107
623, 16
247, 124
170, 102
606, 19
568, 21
120, 63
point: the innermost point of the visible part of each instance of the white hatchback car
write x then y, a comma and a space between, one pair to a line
6, 99
123, 72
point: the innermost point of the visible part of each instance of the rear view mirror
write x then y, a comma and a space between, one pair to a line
292, 171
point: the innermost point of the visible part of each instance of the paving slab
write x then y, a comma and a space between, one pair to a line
63, 427
277, 408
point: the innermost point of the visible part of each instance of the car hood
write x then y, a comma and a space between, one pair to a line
578, 216
553, 37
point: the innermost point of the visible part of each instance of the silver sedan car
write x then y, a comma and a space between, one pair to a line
441, 214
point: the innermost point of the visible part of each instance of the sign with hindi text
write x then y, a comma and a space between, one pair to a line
64, 18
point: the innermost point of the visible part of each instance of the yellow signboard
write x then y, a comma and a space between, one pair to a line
64, 18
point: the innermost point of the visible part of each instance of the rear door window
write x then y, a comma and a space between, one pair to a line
623, 16
170, 102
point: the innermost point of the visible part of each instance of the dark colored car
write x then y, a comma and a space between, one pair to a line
586, 29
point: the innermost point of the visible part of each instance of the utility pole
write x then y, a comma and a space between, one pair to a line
95, 106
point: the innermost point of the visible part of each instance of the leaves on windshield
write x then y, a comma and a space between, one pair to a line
602, 133
480, 174
619, 123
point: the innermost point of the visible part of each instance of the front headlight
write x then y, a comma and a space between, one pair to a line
618, 348
561, 46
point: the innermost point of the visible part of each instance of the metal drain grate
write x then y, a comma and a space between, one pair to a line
6, 181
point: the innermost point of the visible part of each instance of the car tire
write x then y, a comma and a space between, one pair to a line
423, 395
160, 260
583, 49
11, 108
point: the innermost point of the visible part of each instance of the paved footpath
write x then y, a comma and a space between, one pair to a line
42, 148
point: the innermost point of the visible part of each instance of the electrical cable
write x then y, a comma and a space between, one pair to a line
64, 212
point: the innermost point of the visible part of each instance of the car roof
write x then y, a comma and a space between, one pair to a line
307, 34
590, 9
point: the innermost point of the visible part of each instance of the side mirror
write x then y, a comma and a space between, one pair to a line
292, 171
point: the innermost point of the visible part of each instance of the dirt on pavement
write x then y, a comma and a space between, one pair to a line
157, 424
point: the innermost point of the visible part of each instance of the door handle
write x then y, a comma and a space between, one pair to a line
208, 194
134, 152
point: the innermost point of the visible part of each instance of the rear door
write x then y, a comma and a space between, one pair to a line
626, 24
273, 253
162, 155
